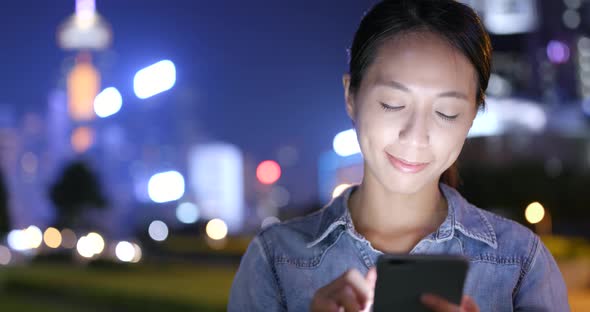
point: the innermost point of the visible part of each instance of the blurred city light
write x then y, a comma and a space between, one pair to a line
505, 17
216, 174
158, 230
138, 253
346, 144
534, 213
108, 102
85, 8
34, 237
269, 221
339, 189
216, 229
571, 19
82, 139
268, 172
279, 196
68, 238
83, 85
52, 238
17, 240
558, 52
498, 86
84, 247
154, 79
125, 251
502, 114
187, 213
5, 255
29, 163
96, 241
573, 4
166, 186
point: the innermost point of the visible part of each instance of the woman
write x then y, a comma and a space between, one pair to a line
418, 72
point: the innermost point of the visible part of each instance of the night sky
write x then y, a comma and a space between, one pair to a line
259, 74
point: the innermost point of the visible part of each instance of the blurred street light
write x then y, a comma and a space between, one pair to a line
346, 144
154, 79
216, 229
166, 186
108, 102
268, 172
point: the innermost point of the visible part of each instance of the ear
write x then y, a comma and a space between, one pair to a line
348, 97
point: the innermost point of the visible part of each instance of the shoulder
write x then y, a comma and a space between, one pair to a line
515, 243
292, 234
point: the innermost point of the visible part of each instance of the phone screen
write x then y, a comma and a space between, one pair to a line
402, 279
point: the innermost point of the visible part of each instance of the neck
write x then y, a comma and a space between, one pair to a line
383, 216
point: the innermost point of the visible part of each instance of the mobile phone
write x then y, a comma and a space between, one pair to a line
402, 279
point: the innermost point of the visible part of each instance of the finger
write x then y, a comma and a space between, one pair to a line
347, 299
438, 304
468, 305
371, 277
360, 287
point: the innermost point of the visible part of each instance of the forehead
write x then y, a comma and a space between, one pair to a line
423, 60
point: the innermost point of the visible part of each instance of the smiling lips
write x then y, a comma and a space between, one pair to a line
406, 166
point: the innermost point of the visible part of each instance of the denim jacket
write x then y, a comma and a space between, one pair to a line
285, 264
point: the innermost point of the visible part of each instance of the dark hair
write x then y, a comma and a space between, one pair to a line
455, 22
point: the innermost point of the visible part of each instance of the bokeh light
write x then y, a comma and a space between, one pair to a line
154, 79
166, 186
82, 139
108, 102
68, 238
558, 52
125, 251
34, 237
216, 229
96, 242
17, 240
268, 172
5, 255
84, 247
279, 196
534, 213
83, 83
138, 253
29, 163
346, 144
158, 231
52, 238
571, 19
187, 213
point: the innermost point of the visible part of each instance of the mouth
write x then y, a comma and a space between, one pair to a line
405, 165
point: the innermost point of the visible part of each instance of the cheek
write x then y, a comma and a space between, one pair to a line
448, 145
375, 131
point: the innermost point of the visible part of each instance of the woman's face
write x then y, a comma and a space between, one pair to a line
413, 110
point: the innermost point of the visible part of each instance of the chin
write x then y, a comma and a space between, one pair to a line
403, 184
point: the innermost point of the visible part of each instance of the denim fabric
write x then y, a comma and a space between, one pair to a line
510, 268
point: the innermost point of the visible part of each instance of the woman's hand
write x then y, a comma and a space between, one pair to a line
438, 304
350, 292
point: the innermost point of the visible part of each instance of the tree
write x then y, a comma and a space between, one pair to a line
75, 191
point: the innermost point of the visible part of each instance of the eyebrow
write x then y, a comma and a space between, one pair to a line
398, 86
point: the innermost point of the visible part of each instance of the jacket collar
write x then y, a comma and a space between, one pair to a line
462, 216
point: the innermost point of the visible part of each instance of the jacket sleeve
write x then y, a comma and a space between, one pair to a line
542, 287
255, 286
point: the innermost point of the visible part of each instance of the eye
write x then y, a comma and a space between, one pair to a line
389, 108
447, 117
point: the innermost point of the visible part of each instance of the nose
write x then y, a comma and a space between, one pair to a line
415, 132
